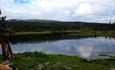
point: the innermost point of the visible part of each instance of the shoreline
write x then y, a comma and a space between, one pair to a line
36, 60
77, 33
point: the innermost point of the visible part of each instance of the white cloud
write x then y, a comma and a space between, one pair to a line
66, 13
97, 8
85, 9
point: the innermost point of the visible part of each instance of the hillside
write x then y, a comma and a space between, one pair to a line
52, 25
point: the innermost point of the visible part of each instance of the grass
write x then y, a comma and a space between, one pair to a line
31, 33
41, 61
71, 33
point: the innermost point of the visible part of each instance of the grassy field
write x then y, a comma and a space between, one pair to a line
41, 61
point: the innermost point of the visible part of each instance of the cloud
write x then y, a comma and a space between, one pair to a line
66, 13
85, 9
66, 10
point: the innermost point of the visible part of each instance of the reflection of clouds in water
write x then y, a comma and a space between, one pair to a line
93, 47
16, 52
85, 51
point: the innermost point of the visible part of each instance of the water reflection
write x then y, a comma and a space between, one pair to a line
85, 47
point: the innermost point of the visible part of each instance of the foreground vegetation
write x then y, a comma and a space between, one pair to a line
41, 61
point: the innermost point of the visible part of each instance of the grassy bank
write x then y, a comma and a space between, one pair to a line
71, 33
41, 61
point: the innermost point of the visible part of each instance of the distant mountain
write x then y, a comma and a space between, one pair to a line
40, 22
43, 20
33, 20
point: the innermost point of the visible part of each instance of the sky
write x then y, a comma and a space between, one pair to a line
62, 10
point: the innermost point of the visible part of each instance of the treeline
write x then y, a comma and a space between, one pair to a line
47, 25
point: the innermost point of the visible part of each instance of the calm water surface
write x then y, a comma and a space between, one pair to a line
84, 47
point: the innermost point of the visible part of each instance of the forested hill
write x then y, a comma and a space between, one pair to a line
43, 25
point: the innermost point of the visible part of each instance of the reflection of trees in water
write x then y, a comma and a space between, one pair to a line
40, 38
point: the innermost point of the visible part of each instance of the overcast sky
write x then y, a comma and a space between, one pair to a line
64, 10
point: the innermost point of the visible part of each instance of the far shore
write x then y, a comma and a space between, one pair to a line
71, 33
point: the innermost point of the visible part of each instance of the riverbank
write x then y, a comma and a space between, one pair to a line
68, 33
41, 61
